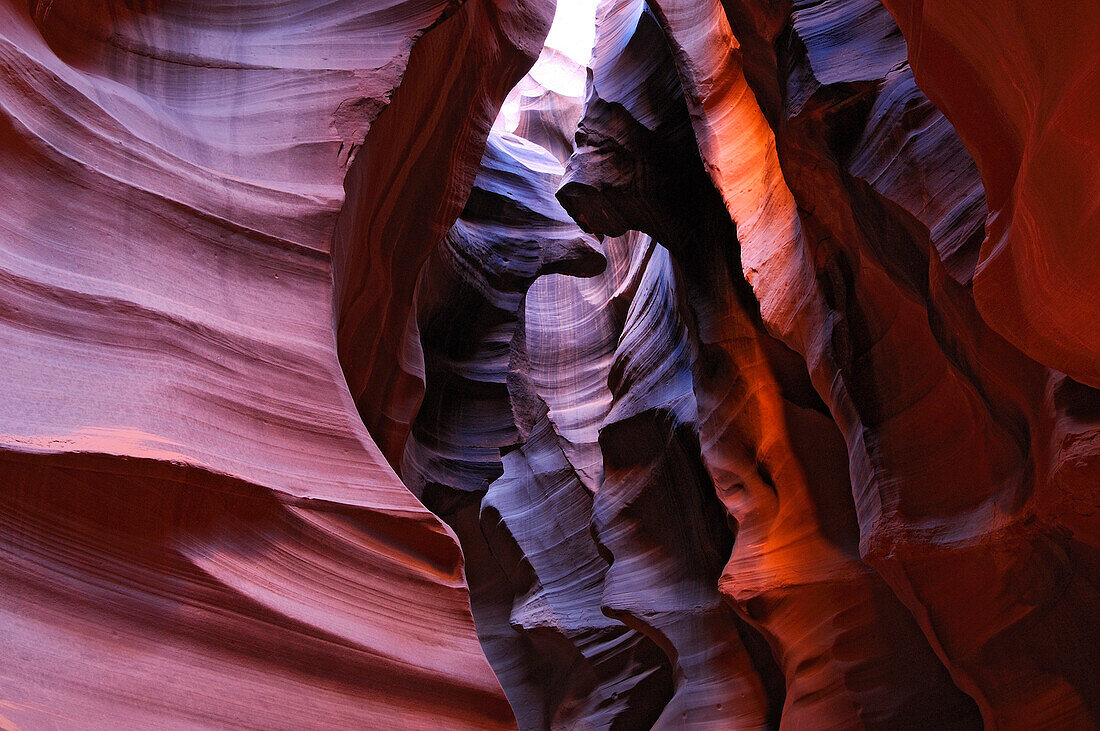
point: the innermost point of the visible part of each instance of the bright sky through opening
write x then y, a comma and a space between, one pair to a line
572, 34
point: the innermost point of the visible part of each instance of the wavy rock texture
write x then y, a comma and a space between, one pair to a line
536, 588
848, 650
1020, 83
658, 520
739, 414
197, 528
858, 253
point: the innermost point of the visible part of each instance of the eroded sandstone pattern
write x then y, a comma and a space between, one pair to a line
753, 386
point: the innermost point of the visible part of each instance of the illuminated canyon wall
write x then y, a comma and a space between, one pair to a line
370, 364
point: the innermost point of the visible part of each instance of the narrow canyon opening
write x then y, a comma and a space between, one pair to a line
650, 495
667, 517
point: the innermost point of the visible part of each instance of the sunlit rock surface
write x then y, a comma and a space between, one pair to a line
963, 490
748, 365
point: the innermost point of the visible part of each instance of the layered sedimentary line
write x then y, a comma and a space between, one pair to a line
804, 442
754, 375
928, 501
198, 528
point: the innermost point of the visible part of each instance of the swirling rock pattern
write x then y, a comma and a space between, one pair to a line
197, 528
756, 387
776, 462
895, 342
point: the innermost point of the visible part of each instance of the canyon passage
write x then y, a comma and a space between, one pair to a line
607, 364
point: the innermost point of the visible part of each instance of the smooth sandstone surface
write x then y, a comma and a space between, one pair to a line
961, 489
1021, 84
197, 526
377, 365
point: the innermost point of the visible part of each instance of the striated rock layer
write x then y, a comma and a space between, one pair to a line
196, 527
855, 214
1021, 84
755, 386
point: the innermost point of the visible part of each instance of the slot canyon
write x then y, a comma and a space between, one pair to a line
613, 364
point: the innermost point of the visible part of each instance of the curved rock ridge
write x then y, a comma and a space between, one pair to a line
387, 365
1021, 82
470, 301
407, 185
197, 529
537, 518
571, 330
657, 519
483, 456
777, 463
958, 464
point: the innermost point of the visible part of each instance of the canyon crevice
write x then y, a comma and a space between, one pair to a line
391, 364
